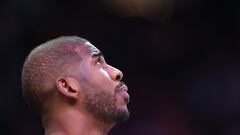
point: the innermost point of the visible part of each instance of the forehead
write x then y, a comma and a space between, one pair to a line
88, 49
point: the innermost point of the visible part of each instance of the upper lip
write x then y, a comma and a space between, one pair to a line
124, 88
121, 87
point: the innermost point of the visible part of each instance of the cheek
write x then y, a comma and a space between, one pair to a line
104, 73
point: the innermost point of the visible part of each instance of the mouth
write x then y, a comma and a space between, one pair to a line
122, 90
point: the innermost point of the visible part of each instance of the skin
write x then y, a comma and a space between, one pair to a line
68, 114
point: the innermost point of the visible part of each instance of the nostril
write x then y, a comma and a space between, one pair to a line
118, 77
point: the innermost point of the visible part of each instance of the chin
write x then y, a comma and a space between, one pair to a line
123, 115
123, 108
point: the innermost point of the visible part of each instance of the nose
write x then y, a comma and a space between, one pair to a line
115, 73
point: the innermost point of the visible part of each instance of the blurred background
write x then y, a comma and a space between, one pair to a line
180, 59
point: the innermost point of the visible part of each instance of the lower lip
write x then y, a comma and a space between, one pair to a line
125, 95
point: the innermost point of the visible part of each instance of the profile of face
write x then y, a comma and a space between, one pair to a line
105, 95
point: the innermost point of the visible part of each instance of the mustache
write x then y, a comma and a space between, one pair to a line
118, 87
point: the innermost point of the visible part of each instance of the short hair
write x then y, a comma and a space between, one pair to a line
44, 64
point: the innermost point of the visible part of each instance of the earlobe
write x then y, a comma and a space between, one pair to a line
68, 88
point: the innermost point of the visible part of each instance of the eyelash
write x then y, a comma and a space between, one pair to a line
99, 60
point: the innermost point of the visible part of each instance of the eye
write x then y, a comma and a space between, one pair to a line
98, 60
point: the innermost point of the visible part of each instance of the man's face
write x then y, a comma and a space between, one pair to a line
105, 96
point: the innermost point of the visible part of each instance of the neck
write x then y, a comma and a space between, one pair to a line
73, 122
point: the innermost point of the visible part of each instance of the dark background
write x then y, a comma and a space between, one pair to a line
180, 60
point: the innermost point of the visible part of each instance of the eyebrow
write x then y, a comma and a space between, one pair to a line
98, 54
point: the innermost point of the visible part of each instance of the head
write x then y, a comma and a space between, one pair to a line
75, 72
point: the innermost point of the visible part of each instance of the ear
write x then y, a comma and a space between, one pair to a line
68, 87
